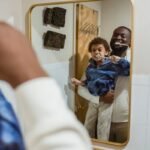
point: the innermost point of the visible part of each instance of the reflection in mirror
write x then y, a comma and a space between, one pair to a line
90, 41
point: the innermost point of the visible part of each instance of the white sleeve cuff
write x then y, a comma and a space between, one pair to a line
46, 119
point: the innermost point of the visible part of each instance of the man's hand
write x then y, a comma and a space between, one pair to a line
108, 98
18, 62
114, 59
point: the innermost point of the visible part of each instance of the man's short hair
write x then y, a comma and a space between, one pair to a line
124, 27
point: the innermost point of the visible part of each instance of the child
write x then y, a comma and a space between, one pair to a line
10, 133
101, 75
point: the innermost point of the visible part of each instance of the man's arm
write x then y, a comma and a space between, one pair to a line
108, 97
47, 121
49, 124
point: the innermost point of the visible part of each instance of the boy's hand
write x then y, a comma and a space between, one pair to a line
76, 81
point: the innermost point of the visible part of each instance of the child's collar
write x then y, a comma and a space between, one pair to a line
93, 62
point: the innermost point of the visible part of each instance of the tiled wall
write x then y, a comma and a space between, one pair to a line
140, 113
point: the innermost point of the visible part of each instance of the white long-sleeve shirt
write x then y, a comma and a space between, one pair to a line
47, 122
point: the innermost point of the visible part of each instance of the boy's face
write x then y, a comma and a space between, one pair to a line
98, 52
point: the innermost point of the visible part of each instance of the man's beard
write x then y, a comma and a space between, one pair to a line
118, 50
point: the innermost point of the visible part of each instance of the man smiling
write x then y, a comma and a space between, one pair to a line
120, 43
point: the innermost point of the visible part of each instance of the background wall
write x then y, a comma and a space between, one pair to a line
11, 11
115, 13
46, 55
58, 63
141, 37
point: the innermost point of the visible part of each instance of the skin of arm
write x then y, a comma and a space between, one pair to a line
77, 82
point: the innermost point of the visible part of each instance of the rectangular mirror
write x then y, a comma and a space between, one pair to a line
61, 34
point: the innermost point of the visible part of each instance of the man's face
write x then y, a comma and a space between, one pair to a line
120, 41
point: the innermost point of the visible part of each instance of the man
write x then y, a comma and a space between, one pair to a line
47, 122
120, 42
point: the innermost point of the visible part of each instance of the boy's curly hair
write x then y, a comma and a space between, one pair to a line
99, 40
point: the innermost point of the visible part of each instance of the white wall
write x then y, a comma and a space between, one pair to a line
26, 4
46, 55
56, 62
141, 37
11, 11
115, 13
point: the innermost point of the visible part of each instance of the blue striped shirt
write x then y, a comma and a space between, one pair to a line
10, 133
101, 79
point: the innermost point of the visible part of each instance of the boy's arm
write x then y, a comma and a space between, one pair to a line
122, 65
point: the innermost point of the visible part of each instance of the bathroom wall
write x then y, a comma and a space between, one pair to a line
110, 19
11, 11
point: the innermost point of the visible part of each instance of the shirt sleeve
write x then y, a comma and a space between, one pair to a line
123, 67
83, 92
47, 122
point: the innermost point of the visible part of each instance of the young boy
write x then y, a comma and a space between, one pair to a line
101, 75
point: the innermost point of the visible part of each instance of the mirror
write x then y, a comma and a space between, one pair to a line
60, 34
